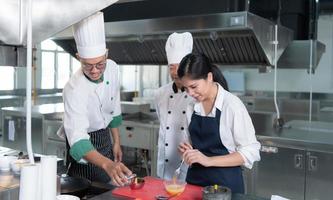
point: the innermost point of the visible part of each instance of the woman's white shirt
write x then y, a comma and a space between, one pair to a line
236, 129
90, 106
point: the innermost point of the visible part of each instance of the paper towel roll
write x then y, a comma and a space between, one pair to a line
49, 177
29, 182
39, 182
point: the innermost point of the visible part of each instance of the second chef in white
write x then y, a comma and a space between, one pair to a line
171, 102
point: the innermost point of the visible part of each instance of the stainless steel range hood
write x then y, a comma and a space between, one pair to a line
235, 38
238, 38
302, 54
48, 18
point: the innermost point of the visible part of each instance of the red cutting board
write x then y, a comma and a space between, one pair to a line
154, 186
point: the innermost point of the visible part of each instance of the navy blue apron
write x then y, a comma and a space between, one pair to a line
205, 136
101, 140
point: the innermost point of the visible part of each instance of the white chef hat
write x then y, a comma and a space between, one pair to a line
89, 36
178, 46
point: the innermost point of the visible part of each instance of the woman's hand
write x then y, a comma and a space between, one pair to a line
117, 153
184, 146
195, 156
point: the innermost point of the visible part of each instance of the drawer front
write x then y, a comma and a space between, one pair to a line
136, 137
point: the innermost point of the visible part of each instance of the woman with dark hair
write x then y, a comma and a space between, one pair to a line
221, 131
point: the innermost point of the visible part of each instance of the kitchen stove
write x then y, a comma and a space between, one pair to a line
96, 189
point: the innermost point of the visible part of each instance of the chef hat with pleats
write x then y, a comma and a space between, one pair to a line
178, 46
89, 36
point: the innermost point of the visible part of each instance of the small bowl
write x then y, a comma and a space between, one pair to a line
67, 197
174, 187
137, 183
5, 162
216, 192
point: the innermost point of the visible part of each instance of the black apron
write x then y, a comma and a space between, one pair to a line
101, 140
205, 136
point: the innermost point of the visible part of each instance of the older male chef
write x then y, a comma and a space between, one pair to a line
171, 102
92, 108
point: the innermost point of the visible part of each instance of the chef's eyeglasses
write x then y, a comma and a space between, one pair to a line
99, 66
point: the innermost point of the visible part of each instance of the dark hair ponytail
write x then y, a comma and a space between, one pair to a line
218, 77
197, 66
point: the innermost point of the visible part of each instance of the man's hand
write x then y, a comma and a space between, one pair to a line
117, 172
117, 153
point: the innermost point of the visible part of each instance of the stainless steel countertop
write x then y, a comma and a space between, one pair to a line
13, 191
23, 97
149, 120
294, 135
50, 95
310, 139
38, 109
6, 97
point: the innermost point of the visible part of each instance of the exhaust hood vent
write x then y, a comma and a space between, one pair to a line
239, 47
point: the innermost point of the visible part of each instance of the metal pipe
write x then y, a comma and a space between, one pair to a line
310, 71
28, 88
34, 78
276, 42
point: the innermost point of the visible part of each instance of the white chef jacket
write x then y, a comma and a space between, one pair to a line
90, 106
236, 129
171, 107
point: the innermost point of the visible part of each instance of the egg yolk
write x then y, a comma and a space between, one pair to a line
174, 189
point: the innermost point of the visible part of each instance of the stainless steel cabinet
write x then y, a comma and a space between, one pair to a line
142, 136
280, 171
319, 175
293, 173
137, 137
14, 128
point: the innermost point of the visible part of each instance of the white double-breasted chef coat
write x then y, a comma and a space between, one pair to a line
172, 110
90, 106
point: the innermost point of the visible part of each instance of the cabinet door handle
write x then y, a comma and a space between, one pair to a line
298, 161
313, 163
268, 149
129, 128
